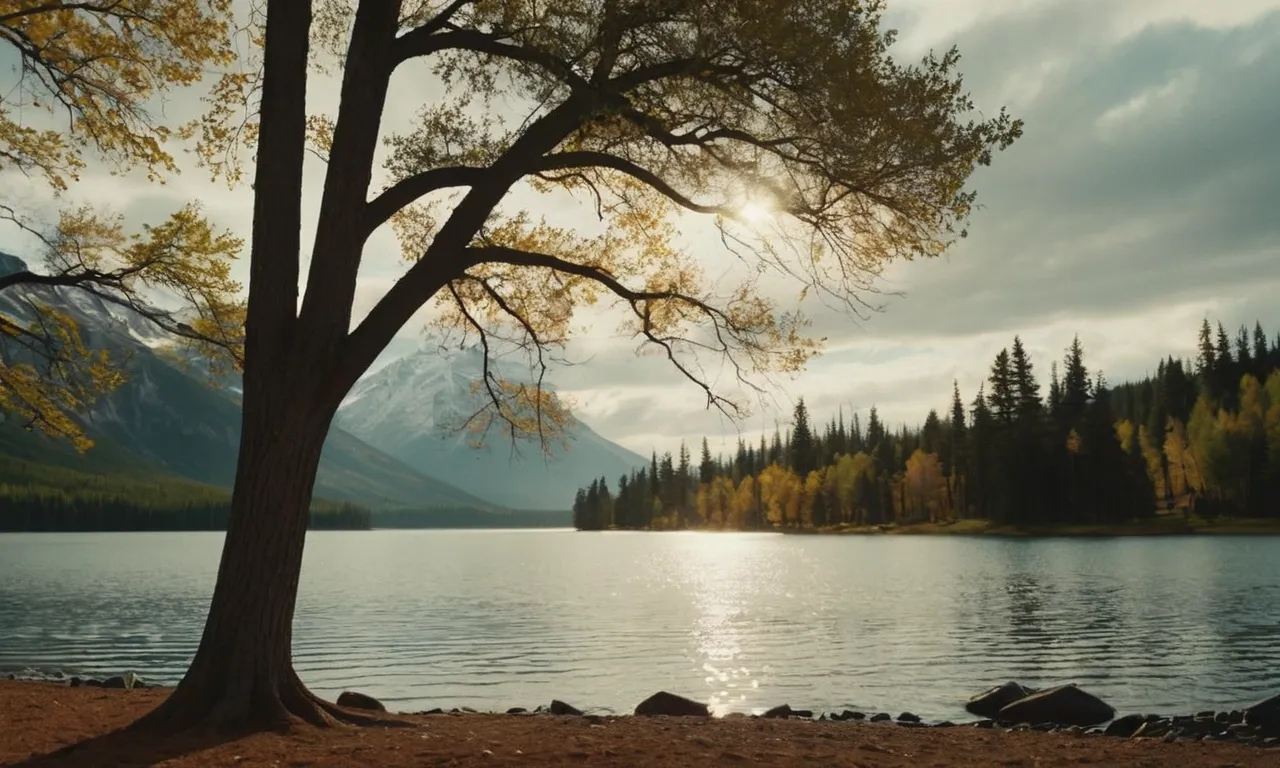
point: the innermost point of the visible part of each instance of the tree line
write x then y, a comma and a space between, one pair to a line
44, 498
1199, 436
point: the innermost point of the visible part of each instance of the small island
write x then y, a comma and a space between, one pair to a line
1193, 449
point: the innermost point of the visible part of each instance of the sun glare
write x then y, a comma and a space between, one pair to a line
754, 212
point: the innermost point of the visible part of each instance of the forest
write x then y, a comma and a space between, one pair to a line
40, 497
1199, 436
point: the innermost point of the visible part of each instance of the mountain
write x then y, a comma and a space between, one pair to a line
407, 408
168, 422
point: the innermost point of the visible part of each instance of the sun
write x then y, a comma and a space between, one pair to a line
754, 212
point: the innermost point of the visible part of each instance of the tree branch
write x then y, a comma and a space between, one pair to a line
408, 190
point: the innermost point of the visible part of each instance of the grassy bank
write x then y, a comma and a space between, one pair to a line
1160, 525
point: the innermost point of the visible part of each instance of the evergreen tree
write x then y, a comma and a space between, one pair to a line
1260, 352
1075, 386
1003, 399
706, 468
803, 458
1207, 358
1026, 388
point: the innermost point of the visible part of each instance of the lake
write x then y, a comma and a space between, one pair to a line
495, 619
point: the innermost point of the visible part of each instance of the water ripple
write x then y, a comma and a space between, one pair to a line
496, 619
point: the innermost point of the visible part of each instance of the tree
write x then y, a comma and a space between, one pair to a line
1207, 357
803, 452
1075, 385
1026, 388
93, 69
641, 109
1004, 396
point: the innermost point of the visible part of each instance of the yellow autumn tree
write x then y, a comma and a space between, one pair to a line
656, 117
744, 511
89, 76
924, 489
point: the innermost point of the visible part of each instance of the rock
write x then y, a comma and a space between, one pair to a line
75, 682
117, 682
1064, 705
435, 711
1172, 736
985, 724
354, 700
517, 711
944, 724
990, 702
558, 707
1265, 715
907, 717
880, 717
806, 714
664, 703
1222, 717
1236, 716
93, 682
1126, 726
850, 714
780, 711
1207, 714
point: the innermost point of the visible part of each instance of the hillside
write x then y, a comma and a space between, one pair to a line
165, 422
409, 408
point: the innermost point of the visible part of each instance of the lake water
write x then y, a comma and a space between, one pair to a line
494, 619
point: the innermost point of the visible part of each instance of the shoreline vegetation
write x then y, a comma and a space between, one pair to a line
1194, 448
51, 724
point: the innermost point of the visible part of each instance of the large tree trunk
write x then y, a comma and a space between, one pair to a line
242, 676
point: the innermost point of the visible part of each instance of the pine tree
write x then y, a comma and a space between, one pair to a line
1003, 398
1075, 385
803, 455
1026, 388
1207, 359
706, 468
1244, 354
1260, 355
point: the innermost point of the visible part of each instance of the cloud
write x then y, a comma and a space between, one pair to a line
1140, 198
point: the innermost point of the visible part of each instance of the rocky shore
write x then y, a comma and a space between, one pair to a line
1011, 707
56, 724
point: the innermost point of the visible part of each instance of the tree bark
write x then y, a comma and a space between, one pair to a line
242, 675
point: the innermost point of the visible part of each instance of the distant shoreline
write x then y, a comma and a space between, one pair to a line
1163, 525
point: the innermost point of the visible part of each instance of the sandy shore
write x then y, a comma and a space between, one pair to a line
37, 719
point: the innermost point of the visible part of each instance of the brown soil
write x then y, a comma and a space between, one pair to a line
37, 720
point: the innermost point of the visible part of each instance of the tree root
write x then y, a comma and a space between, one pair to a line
240, 708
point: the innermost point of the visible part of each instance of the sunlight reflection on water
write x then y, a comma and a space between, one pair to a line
744, 621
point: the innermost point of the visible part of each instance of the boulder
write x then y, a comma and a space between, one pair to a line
517, 711
907, 717
1126, 726
880, 717
558, 707
664, 703
1265, 715
1064, 705
990, 702
354, 700
780, 711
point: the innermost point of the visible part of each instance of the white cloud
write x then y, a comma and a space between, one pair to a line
1140, 199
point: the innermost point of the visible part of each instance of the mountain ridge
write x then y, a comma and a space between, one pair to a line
387, 409
168, 422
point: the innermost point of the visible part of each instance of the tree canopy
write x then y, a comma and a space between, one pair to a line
656, 114
89, 75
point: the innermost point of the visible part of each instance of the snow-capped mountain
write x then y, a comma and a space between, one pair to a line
169, 419
410, 409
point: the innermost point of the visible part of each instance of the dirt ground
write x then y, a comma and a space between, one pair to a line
37, 720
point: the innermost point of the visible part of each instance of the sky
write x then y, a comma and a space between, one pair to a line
1140, 199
